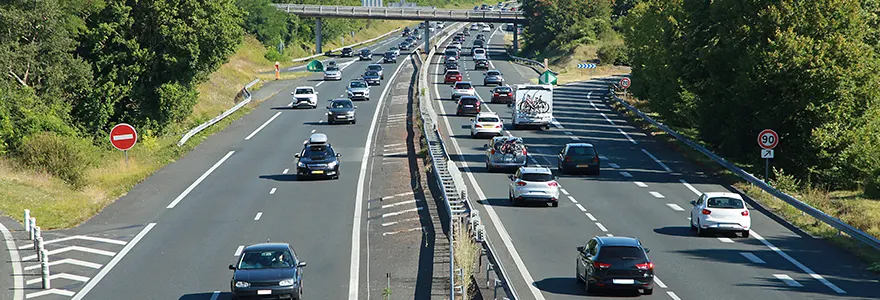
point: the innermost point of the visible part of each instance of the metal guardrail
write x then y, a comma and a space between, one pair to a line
403, 13
534, 64
841, 226
247, 99
450, 179
301, 59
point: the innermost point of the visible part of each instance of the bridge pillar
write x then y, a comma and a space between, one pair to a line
515, 39
427, 37
318, 35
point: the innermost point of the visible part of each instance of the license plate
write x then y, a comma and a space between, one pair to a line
468, 106
318, 172
623, 281
583, 166
340, 117
264, 292
505, 94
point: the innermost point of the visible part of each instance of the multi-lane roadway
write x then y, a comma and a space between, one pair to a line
643, 191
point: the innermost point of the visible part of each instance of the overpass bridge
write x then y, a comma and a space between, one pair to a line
425, 14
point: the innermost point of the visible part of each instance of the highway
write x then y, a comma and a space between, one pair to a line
183, 226
643, 191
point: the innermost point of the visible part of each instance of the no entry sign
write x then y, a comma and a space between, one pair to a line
123, 136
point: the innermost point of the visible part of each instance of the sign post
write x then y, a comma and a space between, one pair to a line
123, 137
767, 139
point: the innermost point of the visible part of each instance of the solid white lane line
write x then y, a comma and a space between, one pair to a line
17, 281
613, 165
95, 280
272, 192
690, 187
725, 240
493, 217
657, 195
563, 191
355, 263
674, 207
601, 227
753, 258
798, 264
216, 294
319, 83
199, 180
285, 171
574, 138
673, 295
259, 215
581, 207
627, 136
572, 199
607, 119
640, 184
626, 174
238, 250
592, 218
659, 282
788, 280
399, 203
262, 126
657, 161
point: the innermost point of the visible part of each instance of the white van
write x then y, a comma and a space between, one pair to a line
533, 106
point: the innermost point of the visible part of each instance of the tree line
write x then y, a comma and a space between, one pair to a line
72, 69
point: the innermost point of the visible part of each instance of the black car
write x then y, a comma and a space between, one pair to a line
317, 159
468, 105
615, 263
341, 111
479, 44
407, 31
578, 157
480, 37
450, 65
267, 270
365, 54
347, 52
372, 78
389, 57
481, 64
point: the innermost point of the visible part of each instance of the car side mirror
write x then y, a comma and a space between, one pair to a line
647, 250
296, 155
580, 249
485, 145
316, 93
355, 106
301, 264
231, 267
328, 106
510, 177
338, 154
694, 202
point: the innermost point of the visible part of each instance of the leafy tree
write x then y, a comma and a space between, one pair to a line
562, 24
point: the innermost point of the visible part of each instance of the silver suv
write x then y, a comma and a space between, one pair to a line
358, 90
534, 184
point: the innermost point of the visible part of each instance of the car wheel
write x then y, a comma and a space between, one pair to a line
648, 291
329, 121
586, 285
555, 204
700, 230
561, 169
693, 227
745, 233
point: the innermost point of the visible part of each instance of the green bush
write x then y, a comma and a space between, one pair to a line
66, 157
872, 185
272, 54
614, 54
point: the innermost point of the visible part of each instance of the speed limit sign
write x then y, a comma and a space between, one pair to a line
768, 139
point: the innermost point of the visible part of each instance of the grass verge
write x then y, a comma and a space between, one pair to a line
850, 206
58, 205
565, 62
466, 255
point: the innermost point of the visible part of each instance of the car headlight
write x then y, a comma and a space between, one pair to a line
333, 164
242, 284
300, 164
350, 113
286, 282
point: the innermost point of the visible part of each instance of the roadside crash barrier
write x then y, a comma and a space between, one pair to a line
35, 234
534, 64
247, 99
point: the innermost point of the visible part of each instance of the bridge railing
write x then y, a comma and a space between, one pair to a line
398, 12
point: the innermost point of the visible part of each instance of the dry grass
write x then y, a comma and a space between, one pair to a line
466, 255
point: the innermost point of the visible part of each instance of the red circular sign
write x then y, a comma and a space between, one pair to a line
123, 136
624, 82
768, 139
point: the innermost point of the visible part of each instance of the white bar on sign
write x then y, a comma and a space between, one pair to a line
123, 137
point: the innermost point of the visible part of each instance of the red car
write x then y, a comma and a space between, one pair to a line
502, 94
452, 76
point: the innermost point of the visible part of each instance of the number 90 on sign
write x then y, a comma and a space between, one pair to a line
768, 139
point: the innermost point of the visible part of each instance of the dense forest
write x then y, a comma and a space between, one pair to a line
728, 69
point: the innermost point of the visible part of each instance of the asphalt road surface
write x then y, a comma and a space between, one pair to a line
643, 191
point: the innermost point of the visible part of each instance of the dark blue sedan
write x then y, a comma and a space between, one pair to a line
269, 270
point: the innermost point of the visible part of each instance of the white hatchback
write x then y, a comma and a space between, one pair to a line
486, 123
720, 211
534, 184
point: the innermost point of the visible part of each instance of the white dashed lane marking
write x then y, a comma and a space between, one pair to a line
601, 227
640, 184
563, 191
673, 295
657, 161
258, 216
753, 258
272, 192
581, 207
725, 240
592, 218
659, 282
285, 171
572, 199
626, 174
627, 136
674, 207
238, 250
657, 195
787, 280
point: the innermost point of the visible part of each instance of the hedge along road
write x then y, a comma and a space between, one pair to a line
231, 192
644, 191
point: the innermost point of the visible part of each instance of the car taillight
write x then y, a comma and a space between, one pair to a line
493, 151
706, 211
645, 266
477, 104
553, 183
600, 265
525, 152
569, 159
498, 126
596, 159
496, 94
478, 126
745, 213
521, 183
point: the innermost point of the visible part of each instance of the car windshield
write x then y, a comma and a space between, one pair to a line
394, 48
482, 62
463, 85
469, 101
371, 73
346, 49
493, 73
318, 152
365, 52
581, 151
488, 119
374, 67
303, 91
479, 51
266, 260
358, 84
724, 202
503, 90
452, 73
332, 68
389, 54
537, 177
341, 104
450, 53
622, 252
